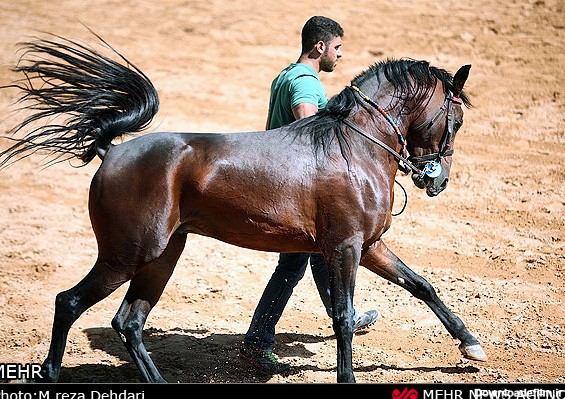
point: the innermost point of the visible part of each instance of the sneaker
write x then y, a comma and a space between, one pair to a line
264, 360
365, 321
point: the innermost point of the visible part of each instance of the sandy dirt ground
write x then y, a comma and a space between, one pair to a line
492, 244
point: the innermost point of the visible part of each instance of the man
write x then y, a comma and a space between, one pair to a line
296, 93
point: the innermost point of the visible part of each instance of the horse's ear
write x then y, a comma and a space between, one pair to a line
459, 79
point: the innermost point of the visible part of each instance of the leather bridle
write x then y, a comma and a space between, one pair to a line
424, 164
447, 133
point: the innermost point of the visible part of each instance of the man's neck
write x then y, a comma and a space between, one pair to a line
313, 62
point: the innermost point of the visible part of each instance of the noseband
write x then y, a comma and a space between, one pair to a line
431, 162
422, 165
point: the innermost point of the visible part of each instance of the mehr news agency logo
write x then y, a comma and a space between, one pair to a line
19, 371
474, 392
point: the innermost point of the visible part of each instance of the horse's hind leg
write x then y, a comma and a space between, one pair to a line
382, 261
101, 281
143, 294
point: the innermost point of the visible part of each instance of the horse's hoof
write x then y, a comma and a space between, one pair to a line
473, 352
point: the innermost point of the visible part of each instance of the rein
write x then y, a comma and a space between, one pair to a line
386, 116
404, 167
407, 165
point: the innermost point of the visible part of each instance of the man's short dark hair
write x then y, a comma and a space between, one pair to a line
319, 28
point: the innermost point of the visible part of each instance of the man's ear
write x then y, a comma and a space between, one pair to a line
320, 47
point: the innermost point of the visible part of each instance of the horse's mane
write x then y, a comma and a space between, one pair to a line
410, 79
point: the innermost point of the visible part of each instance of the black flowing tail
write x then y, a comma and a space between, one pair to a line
100, 99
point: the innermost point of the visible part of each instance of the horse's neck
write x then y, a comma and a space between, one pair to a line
388, 115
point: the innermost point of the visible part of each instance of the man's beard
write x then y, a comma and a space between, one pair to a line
327, 65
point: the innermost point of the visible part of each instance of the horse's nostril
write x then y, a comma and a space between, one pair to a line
435, 188
444, 184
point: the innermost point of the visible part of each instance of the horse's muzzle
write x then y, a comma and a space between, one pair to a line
437, 186
433, 186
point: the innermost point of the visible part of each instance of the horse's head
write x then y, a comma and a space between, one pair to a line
432, 134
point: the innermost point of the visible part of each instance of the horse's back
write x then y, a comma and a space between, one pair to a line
231, 186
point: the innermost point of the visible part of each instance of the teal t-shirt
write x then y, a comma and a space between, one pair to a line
297, 83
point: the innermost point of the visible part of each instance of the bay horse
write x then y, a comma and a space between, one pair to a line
323, 184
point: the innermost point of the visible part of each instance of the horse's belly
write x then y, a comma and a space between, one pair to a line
251, 233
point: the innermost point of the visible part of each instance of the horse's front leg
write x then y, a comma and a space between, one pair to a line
343, 263
382, 261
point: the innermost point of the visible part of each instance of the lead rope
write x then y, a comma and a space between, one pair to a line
405, 199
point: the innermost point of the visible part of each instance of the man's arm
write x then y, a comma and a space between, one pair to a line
304, 110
